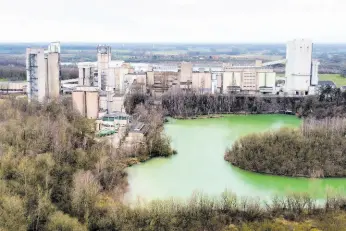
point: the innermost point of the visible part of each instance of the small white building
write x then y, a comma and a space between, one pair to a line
115, 119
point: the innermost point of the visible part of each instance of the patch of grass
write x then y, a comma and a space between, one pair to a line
336, 78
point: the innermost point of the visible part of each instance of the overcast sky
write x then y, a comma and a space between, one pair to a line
172, 20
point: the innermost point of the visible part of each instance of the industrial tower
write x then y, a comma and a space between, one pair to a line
104, 56
43, 72
301, 71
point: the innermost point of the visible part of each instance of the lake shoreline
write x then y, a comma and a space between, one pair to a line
241, 113
287, 176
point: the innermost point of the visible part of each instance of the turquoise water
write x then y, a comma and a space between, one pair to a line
199, 165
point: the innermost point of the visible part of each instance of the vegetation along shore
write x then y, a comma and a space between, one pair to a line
55, 176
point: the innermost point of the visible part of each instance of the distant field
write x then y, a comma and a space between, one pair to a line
172, 52
336, 78
199, 49
120, 51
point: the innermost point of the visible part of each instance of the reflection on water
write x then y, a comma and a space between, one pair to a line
199, 164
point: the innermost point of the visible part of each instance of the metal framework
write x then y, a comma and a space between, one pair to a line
32, 76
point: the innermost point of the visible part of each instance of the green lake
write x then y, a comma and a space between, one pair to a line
200, 167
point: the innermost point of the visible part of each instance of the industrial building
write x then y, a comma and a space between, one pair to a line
104, 56
13, 87
113, 79
301, 71
186, 75
43, 72
87, 73
136, 81
86, 101
201, 81
162, 81
252, 80
116, 119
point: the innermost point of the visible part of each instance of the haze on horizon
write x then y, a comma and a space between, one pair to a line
179, 21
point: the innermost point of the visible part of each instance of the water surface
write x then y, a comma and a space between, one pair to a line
199, 165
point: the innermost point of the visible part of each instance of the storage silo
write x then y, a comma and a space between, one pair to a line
92, 104
86, 101
78, 99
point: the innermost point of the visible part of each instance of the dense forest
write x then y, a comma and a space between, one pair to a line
317, 149
18, 72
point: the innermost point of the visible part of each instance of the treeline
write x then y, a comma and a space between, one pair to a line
329, 102
189, 104
229, 213
18, 73
317, 149
13, 73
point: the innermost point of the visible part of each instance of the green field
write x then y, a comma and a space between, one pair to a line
336, 78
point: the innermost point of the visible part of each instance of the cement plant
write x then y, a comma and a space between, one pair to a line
102, 86
95, 142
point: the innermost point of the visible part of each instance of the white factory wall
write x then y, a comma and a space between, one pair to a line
186, 72
86, 102
150, 78
271, 79
299, 57
298, 65
41, 73
219, 81
231, 78
92, 104
53, 75
201, 81
118, 104
266, 79
298, 83
78, 99
112, 73
314, 75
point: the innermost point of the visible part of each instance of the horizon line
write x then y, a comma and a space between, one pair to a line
163, 42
